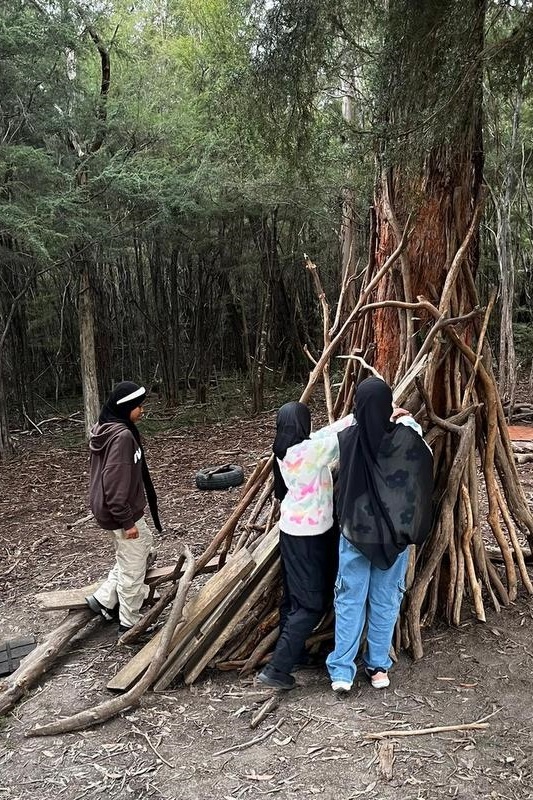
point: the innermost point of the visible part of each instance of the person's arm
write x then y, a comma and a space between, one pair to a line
116, 480
318, 451
333, 429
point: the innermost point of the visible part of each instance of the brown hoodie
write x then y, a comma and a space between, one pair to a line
116, 493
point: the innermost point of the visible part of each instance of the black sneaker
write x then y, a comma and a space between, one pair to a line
276, 679
109, 614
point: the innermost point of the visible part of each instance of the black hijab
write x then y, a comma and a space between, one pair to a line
385, 480
293, 425
123, 399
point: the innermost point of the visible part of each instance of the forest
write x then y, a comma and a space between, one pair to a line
236, 203
165, 166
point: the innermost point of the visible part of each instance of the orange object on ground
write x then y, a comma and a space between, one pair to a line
521, 433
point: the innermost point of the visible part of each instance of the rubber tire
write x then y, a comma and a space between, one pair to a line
234, 476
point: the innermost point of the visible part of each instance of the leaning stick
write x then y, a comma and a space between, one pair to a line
352, 316
260, 650
367, 366
110, 708
231, 522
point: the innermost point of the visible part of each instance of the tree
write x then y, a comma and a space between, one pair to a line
426, 80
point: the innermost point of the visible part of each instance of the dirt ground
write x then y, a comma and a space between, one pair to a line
177, 744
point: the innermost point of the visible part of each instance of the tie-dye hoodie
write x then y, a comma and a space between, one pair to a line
307, 508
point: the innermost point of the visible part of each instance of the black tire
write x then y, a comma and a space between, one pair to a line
227, 476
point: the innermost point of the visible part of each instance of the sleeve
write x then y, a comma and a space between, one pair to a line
116, 480
318, 451
410, 422
333, 429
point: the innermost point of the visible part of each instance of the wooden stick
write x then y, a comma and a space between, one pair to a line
251, 742
262, 648
231, 522
268, 706
469, 726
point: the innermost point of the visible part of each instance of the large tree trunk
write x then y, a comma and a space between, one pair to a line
441, 190
432, 282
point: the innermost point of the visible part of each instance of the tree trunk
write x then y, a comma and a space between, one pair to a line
5, 440
504, 246
91, 400
438, 267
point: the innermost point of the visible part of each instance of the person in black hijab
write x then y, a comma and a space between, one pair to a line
120, 485
384, 503
308, 533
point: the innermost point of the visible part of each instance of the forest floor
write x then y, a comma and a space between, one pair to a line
168, 748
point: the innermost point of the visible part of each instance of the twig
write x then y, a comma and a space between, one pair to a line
468, 726
79, 521
251, 742
269, 705
150, 745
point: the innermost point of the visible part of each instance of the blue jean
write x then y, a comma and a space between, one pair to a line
364, 593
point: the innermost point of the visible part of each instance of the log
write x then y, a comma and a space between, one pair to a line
42, 658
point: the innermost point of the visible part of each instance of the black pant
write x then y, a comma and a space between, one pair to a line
308, 568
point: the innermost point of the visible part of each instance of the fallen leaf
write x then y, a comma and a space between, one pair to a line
254, 776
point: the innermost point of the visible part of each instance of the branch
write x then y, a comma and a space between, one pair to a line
362, 361
461, 252
105, 81
334, 343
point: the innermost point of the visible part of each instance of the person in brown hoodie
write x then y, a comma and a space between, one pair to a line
120, 485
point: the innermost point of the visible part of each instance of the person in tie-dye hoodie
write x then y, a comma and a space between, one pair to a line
308, 533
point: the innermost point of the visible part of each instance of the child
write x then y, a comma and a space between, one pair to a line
384, 502
303, 485
118, 482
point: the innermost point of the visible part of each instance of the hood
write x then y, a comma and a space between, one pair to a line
103, 434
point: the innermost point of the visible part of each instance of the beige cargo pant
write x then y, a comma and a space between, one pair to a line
125, 583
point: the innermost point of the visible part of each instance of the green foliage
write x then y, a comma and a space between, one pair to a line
215, 160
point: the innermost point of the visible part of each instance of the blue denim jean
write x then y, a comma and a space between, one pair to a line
364, 593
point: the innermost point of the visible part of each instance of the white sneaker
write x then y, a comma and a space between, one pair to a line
378, 678
341, 686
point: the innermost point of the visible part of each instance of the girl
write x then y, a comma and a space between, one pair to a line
119, 489
303, 485
384, 504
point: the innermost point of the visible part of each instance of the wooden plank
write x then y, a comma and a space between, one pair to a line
221, 618
194, 613
65, 599
193, 670
75, 598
